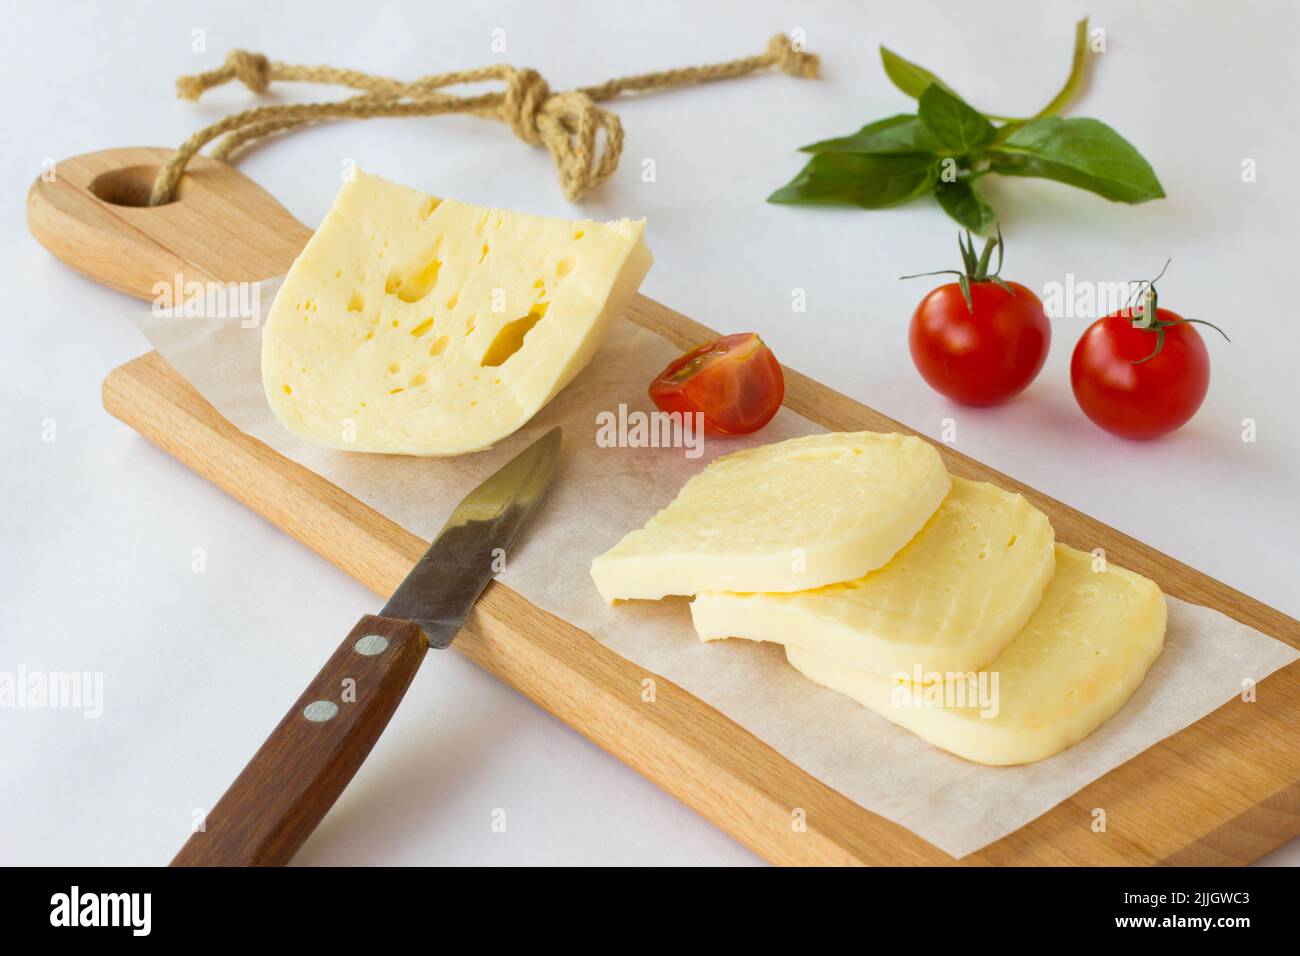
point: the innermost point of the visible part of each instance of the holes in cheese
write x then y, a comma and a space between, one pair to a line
789, 516
439, 289
414, 281
950, 600
1083, 653
511, 337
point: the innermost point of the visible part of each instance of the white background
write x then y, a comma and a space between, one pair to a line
98, 528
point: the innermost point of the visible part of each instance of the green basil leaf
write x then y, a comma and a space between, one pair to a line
894, 134
1081, 152
960, 201
908, 76
956, 125
869, 180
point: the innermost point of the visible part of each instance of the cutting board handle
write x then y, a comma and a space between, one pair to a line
91, 211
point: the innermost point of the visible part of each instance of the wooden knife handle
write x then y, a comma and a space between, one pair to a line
293, 780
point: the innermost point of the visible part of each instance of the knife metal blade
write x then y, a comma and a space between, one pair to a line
471, 547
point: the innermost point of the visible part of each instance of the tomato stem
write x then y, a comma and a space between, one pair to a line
1148, 318
974, 268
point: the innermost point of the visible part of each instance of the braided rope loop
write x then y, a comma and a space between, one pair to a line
584, 140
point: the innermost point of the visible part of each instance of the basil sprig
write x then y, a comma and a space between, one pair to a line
948, 145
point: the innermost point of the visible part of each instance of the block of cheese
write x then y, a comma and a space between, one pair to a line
1082, 655
783, 517
951, 600
422, 326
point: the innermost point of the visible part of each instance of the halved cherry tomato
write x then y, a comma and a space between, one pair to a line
736, 382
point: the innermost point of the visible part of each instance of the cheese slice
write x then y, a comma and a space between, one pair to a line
423, 326
1080, 658
951, 600
783, 517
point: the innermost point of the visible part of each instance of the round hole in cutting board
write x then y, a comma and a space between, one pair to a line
131, 185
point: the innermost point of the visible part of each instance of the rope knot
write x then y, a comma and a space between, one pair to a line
526, 95
567, 125
251, 69
791, 60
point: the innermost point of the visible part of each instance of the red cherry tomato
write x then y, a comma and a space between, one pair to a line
1133, 398
736, 382
984, 353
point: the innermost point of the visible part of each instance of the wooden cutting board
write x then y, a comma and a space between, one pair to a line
1223, 791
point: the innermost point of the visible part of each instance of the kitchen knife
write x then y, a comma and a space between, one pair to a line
293, 780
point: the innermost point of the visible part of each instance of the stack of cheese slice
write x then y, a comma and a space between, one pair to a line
424, 326
962, 620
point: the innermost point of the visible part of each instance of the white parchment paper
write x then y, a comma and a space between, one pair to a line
601, 493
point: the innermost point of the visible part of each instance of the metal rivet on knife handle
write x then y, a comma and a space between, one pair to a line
319, 711
371, 644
